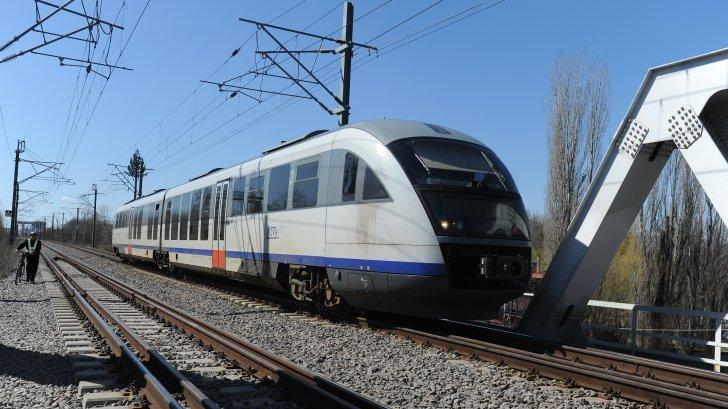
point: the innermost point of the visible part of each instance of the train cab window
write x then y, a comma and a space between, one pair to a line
195, 214
255, 194
278, 187
373, 188
305, 188
205, 213
167, 218
348, 187
238, 197
184, 215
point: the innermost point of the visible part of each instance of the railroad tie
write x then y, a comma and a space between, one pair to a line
89, 365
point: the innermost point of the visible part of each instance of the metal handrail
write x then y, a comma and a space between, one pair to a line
717, 344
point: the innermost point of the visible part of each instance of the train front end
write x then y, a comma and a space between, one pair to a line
480, 223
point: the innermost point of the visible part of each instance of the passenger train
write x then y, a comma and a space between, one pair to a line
396, 216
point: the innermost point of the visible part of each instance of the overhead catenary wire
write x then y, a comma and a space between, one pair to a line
194, 91
89, 56
376, 8
5, 132
166, 140
103, 88
390, 47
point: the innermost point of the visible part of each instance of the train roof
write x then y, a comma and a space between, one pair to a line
385, 130
390, 130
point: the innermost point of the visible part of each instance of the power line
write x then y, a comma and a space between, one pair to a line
101, 93
174, 154
5, 131
291, 101
405, 21
192, 93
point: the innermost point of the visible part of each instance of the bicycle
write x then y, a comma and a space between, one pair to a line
21, 268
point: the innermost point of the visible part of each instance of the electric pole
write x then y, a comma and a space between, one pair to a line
53, 225
307, 79
14, 205
63, 226
348, 52
75, 233
93, 232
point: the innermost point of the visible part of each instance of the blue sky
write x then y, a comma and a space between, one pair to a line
486, 76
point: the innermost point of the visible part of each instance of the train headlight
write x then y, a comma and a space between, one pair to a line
444, 224
459, 225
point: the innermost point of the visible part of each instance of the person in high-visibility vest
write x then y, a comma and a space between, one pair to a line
32, 244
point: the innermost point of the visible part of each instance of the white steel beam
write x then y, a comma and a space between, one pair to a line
663, 117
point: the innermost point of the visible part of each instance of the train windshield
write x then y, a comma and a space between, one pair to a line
466, 189
444, 162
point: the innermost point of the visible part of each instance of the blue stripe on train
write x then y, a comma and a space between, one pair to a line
399, 267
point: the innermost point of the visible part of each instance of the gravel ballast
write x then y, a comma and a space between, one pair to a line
35, 371
393, 371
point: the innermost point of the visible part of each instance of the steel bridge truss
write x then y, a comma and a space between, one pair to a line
682, 106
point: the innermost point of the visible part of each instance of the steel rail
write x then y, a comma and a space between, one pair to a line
641, 379
623, 363
170, 377
308, 387
574, 372
152, 389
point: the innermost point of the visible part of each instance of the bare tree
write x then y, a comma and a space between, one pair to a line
578, 111
685, 257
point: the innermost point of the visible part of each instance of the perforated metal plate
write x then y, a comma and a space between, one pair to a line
684, 127
633, 138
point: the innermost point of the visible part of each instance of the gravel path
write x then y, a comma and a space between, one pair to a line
396, 372
34, 368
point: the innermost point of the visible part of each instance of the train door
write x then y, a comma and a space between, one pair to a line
219, 223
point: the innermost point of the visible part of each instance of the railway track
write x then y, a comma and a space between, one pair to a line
306, 388
635, 378
156, 395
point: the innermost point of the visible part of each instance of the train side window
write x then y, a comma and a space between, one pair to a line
348, 188
167, 217
238, 205
278, 187
195, 214
205, 214
305, 188
155, 221
373, 188
218, 190
140, 215
223, 210
255, 194
184, 215
174, 232
149, 220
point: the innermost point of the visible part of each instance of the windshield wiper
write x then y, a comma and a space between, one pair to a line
494, 171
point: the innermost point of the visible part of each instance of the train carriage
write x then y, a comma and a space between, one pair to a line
395, 216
